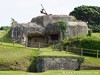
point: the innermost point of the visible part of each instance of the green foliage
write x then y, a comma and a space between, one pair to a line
63, 26
95, 28
1, 28
89, 44
90, 14
92, 42
5, 28
89, 32
61, 45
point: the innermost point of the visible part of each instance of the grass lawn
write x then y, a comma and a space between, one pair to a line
92, 61
10, 54
16, 57
56, 72
49, 52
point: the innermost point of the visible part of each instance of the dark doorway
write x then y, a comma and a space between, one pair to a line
33, 41
54, 37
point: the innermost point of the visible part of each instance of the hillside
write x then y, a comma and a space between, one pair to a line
18, 57
5, 36
15, 57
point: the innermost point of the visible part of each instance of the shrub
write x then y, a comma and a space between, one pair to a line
86, 42
89, 32
5, 28
95, 28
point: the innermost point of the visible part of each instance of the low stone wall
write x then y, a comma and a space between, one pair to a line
57, 64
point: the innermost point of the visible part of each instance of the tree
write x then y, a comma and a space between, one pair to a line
1, 28
89, 14
5, 28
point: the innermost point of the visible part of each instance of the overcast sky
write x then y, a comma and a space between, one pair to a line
24, 10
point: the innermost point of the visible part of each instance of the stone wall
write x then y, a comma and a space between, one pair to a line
57, 64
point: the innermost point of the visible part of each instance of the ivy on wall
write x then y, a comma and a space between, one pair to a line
63, 26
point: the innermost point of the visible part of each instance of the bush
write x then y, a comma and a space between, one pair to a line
89, 32
5, 28
1, 28
95, 28
59, 46
86, 42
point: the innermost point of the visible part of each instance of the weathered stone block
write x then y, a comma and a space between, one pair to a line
57, 64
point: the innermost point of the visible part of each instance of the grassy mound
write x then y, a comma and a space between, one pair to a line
16, 57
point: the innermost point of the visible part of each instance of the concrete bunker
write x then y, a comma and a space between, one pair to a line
44, 29
34, 40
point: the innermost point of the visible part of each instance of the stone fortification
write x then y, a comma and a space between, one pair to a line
45, 29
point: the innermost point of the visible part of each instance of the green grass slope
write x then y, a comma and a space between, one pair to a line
5, 36
18, 57
15, 57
